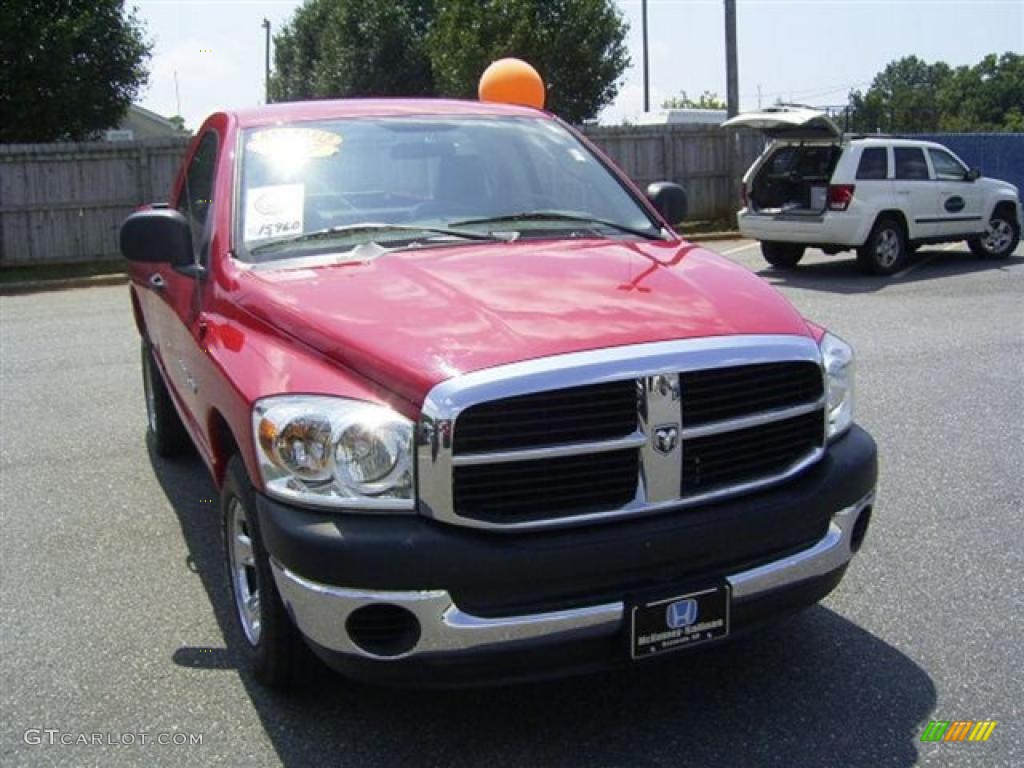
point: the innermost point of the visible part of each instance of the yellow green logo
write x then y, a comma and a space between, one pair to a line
958, 730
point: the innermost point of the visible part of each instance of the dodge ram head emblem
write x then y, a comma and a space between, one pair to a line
665, 438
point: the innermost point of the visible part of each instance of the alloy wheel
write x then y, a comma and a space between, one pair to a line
242, 562
887, 248
997, 237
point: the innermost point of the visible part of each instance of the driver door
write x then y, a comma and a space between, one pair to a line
959, 198
179, 296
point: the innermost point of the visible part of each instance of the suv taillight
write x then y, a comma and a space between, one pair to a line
839, 196
743, 194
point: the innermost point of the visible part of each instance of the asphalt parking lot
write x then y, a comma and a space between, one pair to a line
114, 617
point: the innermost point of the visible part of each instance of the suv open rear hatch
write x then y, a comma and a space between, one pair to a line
791, 123
793, 177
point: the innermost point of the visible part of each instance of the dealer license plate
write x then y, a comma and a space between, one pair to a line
679, 622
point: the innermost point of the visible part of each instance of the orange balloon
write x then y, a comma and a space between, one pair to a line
512, 81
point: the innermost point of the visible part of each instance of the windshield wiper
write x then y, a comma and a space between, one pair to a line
558, 216
372, 226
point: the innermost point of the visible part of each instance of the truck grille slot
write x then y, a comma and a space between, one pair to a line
546, 488
745, 455
728, 393
574, 415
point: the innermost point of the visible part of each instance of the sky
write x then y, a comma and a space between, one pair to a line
806, 51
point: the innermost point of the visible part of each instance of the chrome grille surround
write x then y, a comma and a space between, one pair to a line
657, 367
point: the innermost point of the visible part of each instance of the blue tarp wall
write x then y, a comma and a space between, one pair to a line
997, 155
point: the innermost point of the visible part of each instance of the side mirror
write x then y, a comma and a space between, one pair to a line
669, 199
157, 236
973, 175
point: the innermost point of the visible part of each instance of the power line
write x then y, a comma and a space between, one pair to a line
807, 92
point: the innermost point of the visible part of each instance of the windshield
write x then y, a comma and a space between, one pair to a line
310, 187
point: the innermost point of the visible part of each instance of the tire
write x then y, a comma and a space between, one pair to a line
164, 430
1000, 238
885, 250
782, 255
270, 642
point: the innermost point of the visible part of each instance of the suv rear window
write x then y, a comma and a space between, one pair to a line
874, 164
910, 163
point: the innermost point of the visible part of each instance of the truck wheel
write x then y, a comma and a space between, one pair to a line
164, 430
271, 643
782, 255
885, 250
1000, 239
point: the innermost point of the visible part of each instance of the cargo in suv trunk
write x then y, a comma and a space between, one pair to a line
794, 178
794, 175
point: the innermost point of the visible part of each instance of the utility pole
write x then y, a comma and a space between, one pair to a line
266, 60
732, 92
732, 78
647, 75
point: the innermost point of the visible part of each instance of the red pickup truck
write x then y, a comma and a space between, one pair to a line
475, 411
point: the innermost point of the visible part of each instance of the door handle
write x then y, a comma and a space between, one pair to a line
157, 282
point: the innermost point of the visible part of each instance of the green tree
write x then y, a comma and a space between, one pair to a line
67, 69
707, 100
345, 48
912, 96
902, 98
986, 97
578, 46
342, 48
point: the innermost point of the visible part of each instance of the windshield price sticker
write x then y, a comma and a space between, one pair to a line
294, 144
274, 211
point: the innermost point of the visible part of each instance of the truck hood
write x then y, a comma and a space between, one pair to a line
410, 319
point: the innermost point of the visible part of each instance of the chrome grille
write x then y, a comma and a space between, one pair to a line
625, 431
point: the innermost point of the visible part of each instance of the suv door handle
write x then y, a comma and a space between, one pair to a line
157, 282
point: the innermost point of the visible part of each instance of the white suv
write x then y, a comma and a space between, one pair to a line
815, 186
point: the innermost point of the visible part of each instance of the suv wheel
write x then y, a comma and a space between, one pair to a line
1000, 239
782, 255
885, 250
271, 643
164, 430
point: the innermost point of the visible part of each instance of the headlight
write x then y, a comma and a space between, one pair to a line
329, 451
837, 358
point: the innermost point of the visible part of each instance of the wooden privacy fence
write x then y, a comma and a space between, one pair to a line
695, 156
64, 202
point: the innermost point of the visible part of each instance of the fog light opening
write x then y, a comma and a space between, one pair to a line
860, 529
384, 630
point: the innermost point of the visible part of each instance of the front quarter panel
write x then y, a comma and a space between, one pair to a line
996, 192
247, 361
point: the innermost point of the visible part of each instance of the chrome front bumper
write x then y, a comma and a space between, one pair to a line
321, 611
